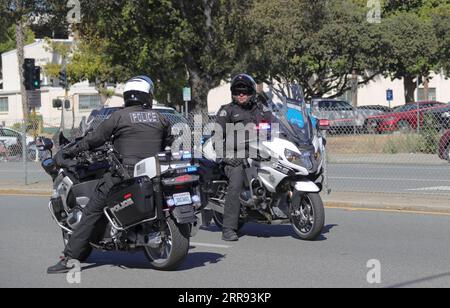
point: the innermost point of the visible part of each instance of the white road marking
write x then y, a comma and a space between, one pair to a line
385, 166
385, 179
209, 245
437, 188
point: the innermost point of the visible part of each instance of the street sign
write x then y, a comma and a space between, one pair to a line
34, 99
187, 95
390, 95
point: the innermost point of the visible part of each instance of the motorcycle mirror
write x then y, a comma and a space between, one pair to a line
324, 124
45, 144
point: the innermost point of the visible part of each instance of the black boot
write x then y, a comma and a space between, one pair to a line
61, 267
229, 235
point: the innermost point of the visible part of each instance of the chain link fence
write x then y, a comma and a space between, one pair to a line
369, 149
378, 149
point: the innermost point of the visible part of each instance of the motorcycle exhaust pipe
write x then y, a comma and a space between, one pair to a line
215, 207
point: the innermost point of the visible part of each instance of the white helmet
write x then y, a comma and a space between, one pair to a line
139, 91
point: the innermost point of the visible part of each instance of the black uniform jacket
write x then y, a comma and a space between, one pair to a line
137, 133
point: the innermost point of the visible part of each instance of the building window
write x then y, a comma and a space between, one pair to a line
4, 107
431, 94
89, 102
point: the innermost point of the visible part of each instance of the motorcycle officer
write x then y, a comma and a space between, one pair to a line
137, 132
246, 109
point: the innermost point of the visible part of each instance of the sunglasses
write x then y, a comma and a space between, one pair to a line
238, 92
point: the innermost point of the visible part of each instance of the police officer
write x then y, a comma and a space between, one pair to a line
137, 132
246, 109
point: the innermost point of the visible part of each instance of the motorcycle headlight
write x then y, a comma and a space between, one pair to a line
301, 159
292, 157
317, 156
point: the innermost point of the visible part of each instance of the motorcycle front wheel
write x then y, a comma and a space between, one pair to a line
308, 217
173, 248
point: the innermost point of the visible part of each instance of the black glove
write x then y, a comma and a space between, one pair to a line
62, 160
71, 152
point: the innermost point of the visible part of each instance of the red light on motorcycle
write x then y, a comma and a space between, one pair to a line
263, 126
183, 178
128, 196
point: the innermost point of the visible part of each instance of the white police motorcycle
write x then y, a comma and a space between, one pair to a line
283, 180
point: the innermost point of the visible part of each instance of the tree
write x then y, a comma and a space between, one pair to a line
320, 44
175, 42
412, 50
8, 39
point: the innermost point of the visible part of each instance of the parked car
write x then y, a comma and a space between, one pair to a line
444, 146
343, 116
441, 116
372, 110
10, 137
403, 118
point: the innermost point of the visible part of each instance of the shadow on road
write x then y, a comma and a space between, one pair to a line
200, 259
267, 231
138, 260
421, 280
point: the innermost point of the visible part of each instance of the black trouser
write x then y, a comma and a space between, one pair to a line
92, 214
236, 183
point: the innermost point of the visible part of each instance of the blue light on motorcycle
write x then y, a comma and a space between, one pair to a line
187, 155
192, 169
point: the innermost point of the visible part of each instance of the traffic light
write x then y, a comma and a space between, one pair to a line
37, 78
57, 103
63, 79
28, 74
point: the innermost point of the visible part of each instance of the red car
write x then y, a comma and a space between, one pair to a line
403, 118
444, 146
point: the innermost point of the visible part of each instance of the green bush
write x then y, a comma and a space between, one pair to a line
429, 136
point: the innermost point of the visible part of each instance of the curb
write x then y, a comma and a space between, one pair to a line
397, 208
330, 204
25, 192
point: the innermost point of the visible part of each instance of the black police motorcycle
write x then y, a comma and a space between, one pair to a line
155, 210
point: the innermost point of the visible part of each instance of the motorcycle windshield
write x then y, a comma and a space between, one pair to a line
295, 120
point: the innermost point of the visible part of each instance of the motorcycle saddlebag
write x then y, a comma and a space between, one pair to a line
131, 202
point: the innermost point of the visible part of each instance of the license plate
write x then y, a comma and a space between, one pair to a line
182, 199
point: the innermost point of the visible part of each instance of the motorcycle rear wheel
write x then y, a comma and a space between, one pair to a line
308, 217
173, 248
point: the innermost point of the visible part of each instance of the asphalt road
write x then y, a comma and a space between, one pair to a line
389, 178
413, 251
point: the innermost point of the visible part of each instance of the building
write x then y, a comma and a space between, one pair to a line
83, 97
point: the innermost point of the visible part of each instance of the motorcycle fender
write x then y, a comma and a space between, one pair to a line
195, 226
306, 186
184, 214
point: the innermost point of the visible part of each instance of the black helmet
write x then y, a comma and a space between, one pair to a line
243, 83
139, 91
